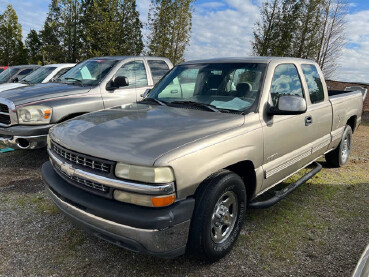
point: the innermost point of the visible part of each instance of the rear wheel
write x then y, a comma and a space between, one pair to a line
218, 216
339, 156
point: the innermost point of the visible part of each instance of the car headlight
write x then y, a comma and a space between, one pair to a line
34, 115
144, 173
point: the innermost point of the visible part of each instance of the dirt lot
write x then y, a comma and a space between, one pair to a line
319, 230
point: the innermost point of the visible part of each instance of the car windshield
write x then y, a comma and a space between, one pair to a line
38, 75
7, 74
224, 86
88, 73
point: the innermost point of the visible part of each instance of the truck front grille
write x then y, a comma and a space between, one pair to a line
4, 119
4, 108
83, 160
4, 115
87, 183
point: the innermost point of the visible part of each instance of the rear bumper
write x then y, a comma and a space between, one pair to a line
160, 232
24, 137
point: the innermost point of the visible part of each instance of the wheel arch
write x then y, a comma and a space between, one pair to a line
70, 116
246, 170
352, 122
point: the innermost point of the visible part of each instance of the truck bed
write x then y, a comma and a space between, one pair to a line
338, 93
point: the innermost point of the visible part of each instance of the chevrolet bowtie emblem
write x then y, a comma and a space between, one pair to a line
67, 169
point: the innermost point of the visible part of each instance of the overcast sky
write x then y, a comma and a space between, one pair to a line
224, 29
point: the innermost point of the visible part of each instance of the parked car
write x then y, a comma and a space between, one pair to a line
2, 68
27, 113
14, 73
41, 75
362, 267
178, 169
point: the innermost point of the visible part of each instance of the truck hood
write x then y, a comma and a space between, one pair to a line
39, 92
139, 133
7, 86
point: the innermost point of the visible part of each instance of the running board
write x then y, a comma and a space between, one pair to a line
279, 195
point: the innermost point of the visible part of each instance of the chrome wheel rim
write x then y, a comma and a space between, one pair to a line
345, 151
224, 217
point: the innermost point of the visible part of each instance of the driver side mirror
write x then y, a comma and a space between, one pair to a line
117, 82
15, 80
289, 105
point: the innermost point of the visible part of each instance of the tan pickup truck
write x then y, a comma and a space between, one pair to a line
177, 171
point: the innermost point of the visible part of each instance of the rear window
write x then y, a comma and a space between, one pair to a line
158, 69
314, 83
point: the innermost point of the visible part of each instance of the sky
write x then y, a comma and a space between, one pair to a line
225, 29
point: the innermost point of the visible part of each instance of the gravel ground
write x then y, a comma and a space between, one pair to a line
319, 230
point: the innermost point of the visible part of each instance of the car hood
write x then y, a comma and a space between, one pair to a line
7, 86
40, 92
139, 133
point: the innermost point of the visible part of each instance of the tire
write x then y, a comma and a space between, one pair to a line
218, 216
339, 156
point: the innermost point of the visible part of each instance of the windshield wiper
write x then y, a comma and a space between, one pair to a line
197, 104
74, 79
163, 103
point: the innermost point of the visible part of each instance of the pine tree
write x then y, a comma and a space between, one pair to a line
170, 23
112, 27
72, 29
12, 51
34, 45
51, 36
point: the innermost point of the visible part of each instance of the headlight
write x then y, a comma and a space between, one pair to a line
34, 115
144, 174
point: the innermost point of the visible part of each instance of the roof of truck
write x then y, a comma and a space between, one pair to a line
124, 57
246, 59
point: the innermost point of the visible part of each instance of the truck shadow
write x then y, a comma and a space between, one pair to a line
28, 159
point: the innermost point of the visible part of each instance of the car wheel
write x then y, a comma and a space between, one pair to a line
339, 156
218, 216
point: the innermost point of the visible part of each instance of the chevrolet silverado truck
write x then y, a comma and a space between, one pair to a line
27, 113
177, 170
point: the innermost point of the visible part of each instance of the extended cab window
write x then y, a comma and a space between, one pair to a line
314, 83
158, 69
286, 81
135, 72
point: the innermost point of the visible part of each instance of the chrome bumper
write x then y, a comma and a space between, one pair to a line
23, 142
169, 242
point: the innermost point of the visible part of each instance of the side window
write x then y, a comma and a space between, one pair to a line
135, 72
314, 83
61, 72
158, 69
286, 81
25, 72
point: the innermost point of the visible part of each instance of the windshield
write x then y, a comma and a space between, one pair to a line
229, 86
38, 75
7, 74
88, 73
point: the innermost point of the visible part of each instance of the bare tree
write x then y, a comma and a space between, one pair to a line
332, 39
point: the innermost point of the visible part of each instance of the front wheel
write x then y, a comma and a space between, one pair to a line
339, 156
218, 216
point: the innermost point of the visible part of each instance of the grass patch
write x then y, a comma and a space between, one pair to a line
44, 205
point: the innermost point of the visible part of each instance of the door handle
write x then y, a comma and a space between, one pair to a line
308, 120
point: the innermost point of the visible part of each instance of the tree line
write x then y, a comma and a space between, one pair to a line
310, 29
75, 30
